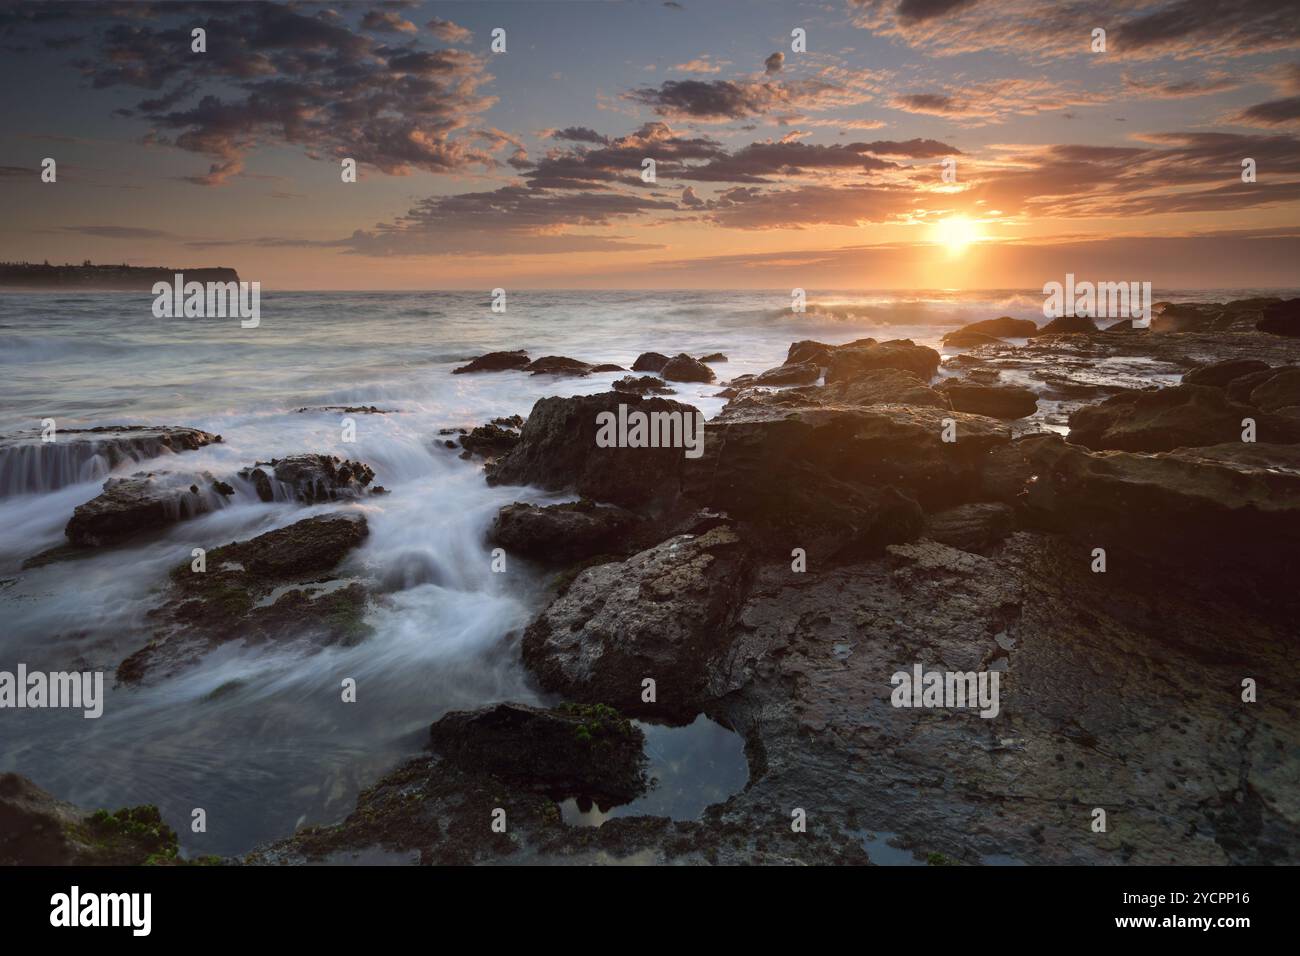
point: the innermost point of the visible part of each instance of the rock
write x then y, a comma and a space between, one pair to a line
557, 451
964, 338
1278, 391
1168, 418
28, 464
809, 351
649, 362
610, 367
800, 373
1220, 374
974, 527
683, 368
495, 362
995, 401
491, 440
38, 830
558, 365
662, 613
1281, 318
141, 503
642, 385
713, 357
1181, 318
564, 533
1123, 325
227, 601
347, 409
587, 751
852, 360
884, 386
1067, 324
1003, 327
309, 478
1239, 389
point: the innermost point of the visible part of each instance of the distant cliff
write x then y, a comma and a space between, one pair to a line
30, 275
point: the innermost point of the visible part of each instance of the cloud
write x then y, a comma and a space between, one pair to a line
282, 75
1167, 89
722, 100
758, 162
774, 63
994, 101
448, 32
120, 232
1281, 112
1039, 30
699, 65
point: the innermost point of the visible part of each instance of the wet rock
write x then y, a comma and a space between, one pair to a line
683, 368
1123, 325
557, 451
713, 357
1221, 374
1003, 327
495, 362
309, 478
1067, 324
1240, 388
494, 439
230, 599
28, 464
649, 362
662, 614
587, 751
642, 385
850, 361
38, 830
1278, 391
1168, 418
1281, 318
564, 533
965, 339
609, 367
558, 365
974, 527
884, 386
142, 503
799, 373
348, 409
818, 353
1181, 318
995, 401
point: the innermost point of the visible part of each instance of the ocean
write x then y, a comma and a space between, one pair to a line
259, 738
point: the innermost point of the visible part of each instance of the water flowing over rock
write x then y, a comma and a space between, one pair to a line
143, 502
309, 478
28, 464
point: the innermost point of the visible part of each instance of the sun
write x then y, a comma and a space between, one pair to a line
956, 233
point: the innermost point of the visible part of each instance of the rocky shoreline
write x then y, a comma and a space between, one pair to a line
859, 509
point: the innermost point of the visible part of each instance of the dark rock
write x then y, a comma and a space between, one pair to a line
141, 503
587, 751
28, 464
1220, 374
713, 357
348, 409
810, 351
683, 368
557, 451
1003, 327
964, 339
1281, 318
661, 614
1181, 318
610, 367
558, 365
1278, 391
1067, 324
642, 385
974, 527
995, 401
883, 386
226, 601
309, 478
38, 830
850, 361
495, 362
491, 440
564, 533
1168, 418
800, 373
649, 362
1239, 389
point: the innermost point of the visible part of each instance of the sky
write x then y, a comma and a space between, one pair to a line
904, 144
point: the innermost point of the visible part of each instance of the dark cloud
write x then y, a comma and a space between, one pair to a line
448, 32
774, 63
579, 134
386, 21
1273, 113
720, 100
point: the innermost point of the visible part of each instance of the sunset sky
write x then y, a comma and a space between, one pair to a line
775, 168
